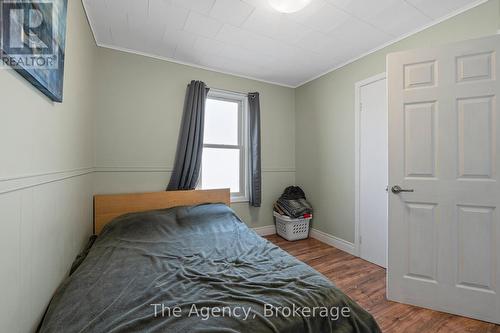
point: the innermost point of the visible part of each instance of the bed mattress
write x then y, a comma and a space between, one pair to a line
196, 269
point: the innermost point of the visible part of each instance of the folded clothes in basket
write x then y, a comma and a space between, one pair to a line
293, 203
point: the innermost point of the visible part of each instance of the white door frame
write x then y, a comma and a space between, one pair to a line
357, 153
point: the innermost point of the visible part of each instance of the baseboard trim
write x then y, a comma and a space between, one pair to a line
331, 240
266, 230
336, 242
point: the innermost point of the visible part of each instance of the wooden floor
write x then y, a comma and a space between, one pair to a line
365, 283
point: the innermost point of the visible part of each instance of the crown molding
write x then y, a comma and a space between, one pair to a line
190, 64
336, 67
394, 41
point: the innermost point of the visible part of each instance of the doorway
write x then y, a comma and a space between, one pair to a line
371, 215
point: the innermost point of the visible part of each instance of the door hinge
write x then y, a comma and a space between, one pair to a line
360, 106
360, 239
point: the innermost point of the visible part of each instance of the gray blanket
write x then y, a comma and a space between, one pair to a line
196, 269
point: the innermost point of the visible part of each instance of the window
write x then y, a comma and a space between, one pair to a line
225, 162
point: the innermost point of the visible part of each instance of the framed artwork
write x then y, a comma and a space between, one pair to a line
33, 39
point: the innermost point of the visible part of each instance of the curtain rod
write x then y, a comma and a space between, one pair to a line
226, 90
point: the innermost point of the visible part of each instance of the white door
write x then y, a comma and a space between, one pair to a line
373, 169
443, 144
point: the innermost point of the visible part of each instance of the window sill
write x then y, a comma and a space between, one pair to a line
235, 198
239, 199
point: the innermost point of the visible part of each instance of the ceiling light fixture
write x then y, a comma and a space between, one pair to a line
289, 6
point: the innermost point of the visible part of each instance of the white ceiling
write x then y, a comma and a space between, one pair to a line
249, 38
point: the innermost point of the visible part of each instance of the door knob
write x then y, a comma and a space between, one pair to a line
397, 189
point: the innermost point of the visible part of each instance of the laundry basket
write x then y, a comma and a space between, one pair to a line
292, 229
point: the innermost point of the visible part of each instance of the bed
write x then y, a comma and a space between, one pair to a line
185, 262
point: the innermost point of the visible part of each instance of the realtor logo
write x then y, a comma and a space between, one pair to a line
27, 34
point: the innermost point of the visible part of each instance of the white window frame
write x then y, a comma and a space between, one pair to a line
243, 133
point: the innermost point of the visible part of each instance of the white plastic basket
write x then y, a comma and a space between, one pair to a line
292, 229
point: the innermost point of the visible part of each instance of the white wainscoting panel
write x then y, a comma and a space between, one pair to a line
43, 227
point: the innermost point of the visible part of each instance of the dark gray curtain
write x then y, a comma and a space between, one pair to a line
255, 168
190, 143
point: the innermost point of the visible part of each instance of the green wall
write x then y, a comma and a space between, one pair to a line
139, 108
325, 119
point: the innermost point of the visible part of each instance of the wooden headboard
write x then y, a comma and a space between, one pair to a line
107, 207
